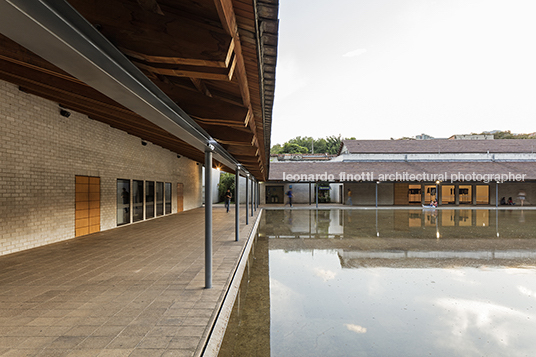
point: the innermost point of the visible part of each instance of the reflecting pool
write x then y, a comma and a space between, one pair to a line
388, 283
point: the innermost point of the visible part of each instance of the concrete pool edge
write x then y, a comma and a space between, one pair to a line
219, 325
344, 207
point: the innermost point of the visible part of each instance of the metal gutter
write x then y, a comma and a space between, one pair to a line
55, 31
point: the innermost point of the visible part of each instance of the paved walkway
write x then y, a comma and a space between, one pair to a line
136, 290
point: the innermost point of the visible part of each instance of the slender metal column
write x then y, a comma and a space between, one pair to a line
496, 195
377, 183
256, 195
252, 196
309, 193
247, 199
317, 196
208, 219
237, 204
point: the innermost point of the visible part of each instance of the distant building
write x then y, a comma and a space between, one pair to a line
472, 137
424, 137
301, 157
412, 173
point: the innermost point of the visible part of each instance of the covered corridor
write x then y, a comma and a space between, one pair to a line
137, 290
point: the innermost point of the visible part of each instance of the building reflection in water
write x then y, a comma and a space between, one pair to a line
419, 223
388, 283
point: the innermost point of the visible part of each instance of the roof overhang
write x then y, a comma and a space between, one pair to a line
82, 64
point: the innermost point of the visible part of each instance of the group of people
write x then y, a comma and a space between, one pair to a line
433, 203
510, 202
520, 196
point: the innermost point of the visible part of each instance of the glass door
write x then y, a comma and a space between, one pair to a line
137, 200
466, 194
149, 199
123, 202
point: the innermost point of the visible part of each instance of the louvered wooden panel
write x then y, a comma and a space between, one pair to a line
401, 193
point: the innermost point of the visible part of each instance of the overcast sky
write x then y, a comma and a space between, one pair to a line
377, 69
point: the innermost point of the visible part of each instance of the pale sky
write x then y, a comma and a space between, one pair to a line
377, 69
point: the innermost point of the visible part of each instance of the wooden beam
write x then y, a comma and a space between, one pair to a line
56, 83
176, 70
241, 150
228, 20
150, 5
158, 38
228, 135
200, 85
204, 108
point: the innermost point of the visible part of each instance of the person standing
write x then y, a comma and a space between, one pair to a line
289, 195
228, 197
349, 197
521, 196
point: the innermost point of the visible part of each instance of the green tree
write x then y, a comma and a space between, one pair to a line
227, 181
289, 148
333, 143
305, 142
304, 145
507, 134
321, 146
276, 149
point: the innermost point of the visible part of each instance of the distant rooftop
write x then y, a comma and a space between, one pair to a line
301, 157
437, 146
472, 137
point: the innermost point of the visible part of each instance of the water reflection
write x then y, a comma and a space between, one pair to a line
418, 223
385, 283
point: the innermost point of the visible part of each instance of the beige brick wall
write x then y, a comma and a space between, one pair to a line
40, 154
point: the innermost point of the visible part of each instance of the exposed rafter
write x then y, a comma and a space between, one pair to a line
211, 58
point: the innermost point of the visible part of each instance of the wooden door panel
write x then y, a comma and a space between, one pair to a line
87, 205
180, 197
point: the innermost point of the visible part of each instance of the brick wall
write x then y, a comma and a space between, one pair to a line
40, 154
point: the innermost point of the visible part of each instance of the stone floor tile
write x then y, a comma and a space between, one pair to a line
122, 292
115, 353
124, 342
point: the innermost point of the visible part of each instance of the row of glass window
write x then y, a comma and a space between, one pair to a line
448, 194
138, 200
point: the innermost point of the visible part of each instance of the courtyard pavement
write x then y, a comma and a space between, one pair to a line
136, 290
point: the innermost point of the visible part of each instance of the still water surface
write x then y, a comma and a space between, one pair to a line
388, 283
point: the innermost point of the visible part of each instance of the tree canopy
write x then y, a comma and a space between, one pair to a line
308, 145
507, 134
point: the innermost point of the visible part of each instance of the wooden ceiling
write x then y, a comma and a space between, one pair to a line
214, 58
